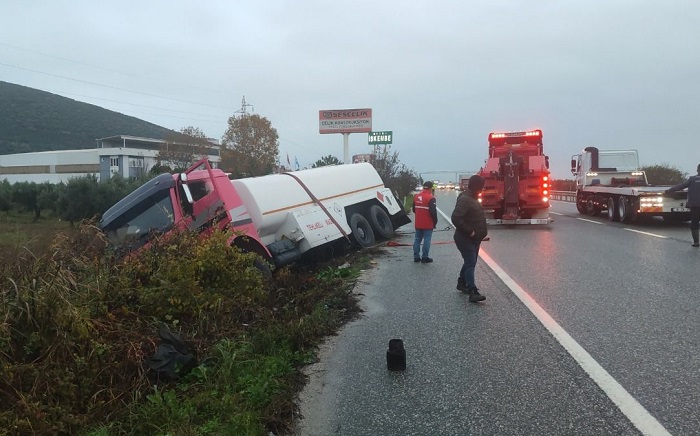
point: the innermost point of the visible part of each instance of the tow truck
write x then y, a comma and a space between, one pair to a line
517, 179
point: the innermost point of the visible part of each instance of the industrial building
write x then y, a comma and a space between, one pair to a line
127, 156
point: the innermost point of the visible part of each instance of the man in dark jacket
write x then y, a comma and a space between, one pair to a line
470, 229
693, 185
425, 209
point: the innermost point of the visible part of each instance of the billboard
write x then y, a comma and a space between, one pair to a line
345, 121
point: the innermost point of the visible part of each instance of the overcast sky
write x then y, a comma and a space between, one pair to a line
440, 74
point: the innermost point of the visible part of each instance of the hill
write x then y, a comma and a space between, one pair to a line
33, 120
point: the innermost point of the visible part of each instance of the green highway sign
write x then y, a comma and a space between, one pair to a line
379, 137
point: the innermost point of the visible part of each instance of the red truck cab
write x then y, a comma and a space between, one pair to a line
199, 199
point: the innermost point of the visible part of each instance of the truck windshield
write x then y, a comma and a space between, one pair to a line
153, 214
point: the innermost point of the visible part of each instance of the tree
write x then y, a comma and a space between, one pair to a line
180, 150
664, 174
5, 196
250, 146
325, 161
48, 193
26, 194
395, 175
79, 200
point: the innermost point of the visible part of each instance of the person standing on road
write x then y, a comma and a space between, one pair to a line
425, 209
693, 185
470, 229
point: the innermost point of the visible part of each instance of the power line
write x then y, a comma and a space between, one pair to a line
111, 87
134, 104
99, 67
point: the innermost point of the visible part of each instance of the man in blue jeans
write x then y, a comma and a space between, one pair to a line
693, 203
470, 229
425, 209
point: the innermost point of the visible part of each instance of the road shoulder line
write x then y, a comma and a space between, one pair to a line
627, 404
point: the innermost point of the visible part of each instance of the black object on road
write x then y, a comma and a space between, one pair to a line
396, 356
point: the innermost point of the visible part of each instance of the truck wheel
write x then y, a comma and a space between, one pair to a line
612, 209
581, 207
623, 210
381, 223
590, 207
580, 203
361, 230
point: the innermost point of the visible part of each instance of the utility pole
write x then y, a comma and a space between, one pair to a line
244, 105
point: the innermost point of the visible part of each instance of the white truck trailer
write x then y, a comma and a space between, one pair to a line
612, 181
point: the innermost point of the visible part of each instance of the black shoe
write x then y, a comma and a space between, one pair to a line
475, 296
426, 260
462, 287
695, 244
416, 259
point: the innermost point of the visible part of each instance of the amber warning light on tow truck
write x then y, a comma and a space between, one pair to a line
545, 189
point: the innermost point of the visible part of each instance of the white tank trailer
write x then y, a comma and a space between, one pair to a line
309, 208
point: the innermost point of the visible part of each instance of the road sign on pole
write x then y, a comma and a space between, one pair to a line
379, 137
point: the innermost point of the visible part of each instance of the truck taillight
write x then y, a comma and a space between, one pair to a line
545, 189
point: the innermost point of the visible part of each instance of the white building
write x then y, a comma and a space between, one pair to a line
127, 156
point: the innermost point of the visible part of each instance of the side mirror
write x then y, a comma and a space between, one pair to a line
573, 166
185, 188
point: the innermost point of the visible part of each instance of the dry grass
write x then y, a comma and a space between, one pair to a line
19, 232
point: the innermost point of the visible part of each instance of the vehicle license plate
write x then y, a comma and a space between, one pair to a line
680, 209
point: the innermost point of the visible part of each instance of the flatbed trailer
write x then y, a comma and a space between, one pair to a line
613, 183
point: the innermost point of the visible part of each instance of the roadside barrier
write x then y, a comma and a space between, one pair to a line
567, 196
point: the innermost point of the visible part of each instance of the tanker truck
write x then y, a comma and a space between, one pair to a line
281, 217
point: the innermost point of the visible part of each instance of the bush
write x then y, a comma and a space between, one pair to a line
78, 324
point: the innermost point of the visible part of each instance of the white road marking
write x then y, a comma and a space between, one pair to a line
627, 404
556, 213
646, 233
590, 221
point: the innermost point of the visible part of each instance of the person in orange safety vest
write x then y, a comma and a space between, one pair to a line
425, 210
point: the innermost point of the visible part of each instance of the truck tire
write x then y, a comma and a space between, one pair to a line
580, 203
623, 211
612, 209
590, 207
361, 230
381, 223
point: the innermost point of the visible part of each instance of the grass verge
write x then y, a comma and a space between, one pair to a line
78, 334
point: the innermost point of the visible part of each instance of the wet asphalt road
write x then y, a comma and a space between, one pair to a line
628, 298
